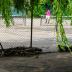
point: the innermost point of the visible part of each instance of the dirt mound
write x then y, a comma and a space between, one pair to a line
21, 51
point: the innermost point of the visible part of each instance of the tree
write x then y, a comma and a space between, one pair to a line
5, 10
58, 7
20, 5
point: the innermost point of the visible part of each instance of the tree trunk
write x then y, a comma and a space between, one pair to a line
2, 50
31, 23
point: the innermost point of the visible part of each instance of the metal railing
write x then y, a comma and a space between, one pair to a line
43, 16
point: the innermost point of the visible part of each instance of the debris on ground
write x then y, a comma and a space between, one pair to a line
22, 51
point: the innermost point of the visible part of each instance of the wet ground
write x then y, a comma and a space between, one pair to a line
49, 62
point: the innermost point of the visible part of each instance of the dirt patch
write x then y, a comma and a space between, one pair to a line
21, 51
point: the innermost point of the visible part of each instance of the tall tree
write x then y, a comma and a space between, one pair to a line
32, 5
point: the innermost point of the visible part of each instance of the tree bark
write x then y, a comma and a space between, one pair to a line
32, 1
2, 50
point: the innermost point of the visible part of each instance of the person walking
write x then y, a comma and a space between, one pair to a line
48, 16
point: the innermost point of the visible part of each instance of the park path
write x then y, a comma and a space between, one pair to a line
50, 62
21, 37
44, 36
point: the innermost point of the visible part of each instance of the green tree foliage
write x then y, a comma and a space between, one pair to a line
58, 8
19, 5
5, 9
40, 9
69, 9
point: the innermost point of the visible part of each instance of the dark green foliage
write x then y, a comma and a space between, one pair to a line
22, 6
19, 5
63, 5
40, 10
